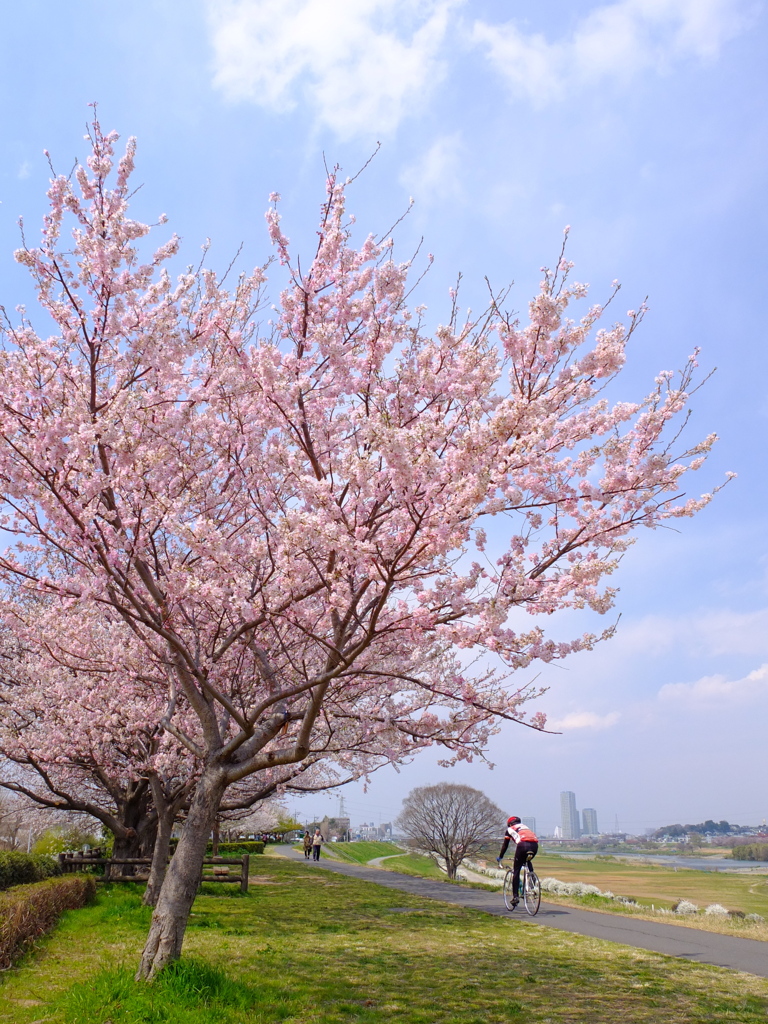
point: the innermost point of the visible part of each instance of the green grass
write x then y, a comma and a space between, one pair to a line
658, 888
309, 947
190, 991
662, 886
361, 852
646, 909
651, 885
413, 864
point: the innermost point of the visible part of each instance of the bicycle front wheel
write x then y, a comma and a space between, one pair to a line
508, 891
532, 893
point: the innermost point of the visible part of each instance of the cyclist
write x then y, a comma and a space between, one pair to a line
525, 842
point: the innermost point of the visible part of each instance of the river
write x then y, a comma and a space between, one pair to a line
673, 861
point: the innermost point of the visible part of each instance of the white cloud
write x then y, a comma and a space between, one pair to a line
362, 65
583, 720
711, 632
24, 170
718, 690
614, 41
436, 174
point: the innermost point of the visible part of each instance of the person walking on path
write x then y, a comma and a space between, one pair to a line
317, 842
307, 845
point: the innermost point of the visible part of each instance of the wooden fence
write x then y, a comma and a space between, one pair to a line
215, 869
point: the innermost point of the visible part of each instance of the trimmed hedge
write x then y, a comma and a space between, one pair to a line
236, 849
28, 912
24, 868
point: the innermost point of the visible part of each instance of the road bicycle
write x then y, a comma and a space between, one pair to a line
530, 888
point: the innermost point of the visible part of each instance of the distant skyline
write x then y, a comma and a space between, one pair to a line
589, 823
642, 124
570, 824
362, 810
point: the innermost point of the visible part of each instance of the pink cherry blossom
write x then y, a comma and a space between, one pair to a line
285, 518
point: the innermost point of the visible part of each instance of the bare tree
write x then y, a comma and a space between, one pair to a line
449, 821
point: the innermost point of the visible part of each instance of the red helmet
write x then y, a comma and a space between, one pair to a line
514, 820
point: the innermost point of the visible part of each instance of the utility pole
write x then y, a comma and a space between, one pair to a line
342, 814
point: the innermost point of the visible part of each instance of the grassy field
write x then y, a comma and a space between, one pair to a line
404, 863
747, 891
649, 884
413, 864
360, 852
662, 886
316, 948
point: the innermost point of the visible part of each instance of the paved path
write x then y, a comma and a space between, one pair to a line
738, 954
377, 861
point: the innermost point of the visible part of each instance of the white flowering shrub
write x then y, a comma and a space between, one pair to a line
685, 907
559, 888
554, 885
481, 869
581, 889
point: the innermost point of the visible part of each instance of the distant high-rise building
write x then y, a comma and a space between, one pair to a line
569, 816
589, 822
529, 823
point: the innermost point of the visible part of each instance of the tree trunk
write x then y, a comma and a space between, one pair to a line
216, 837
159, 856
169, 921
133, 844
138, 817
126, 846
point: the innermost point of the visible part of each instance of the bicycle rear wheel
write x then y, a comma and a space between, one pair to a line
531, 892
508, 890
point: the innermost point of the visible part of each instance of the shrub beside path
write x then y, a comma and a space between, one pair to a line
738, 954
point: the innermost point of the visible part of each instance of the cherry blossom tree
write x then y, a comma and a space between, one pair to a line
22, 822
79, 743
293, 517
82, 743
264, 817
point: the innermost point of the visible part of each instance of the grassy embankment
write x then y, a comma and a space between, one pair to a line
649, 884
359, 852
396, 860
658, 888
317, 948
415, 864
652, 886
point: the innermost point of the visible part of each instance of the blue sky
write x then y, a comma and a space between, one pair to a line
642, 124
